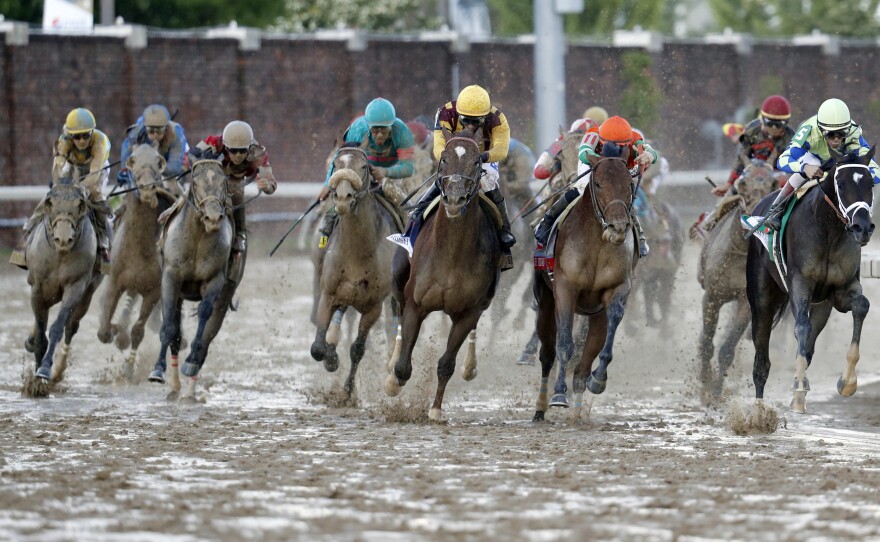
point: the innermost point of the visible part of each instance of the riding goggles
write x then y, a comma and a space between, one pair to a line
155, 129
242, 150
80, 136
473, 121
774, 123
836, 134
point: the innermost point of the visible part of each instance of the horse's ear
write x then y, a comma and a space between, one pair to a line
562, 131
870, 156
446, 133
834, 154
340, 139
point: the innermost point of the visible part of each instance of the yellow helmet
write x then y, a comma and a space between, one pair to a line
596, 113
833, 115
473, 101
79, 121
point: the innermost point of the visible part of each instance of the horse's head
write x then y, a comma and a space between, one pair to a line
757, 180
146, 165
351, 177
853, 189
611, 189
568, 155
208, 192
65, 208
459, 171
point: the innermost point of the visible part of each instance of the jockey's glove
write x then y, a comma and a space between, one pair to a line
484, 157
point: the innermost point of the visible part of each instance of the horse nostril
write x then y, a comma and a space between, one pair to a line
871, 229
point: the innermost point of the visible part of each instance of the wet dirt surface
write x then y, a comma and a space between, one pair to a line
266, 452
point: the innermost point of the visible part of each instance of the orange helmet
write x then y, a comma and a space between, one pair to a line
616, 130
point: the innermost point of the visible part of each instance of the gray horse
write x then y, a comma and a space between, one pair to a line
136, 268
722, 272
353, 270
62, 267
195, 255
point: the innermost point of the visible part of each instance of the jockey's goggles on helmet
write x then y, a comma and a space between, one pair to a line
155, 129
242, 150
380, 129
82, 135
473, 121
774, 123
836, 134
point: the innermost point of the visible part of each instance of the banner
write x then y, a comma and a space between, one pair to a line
68, 16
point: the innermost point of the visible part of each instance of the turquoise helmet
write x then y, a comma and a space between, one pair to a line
380, 112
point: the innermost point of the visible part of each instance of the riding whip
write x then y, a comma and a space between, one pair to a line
416, 191
710, 181
295, 224
532, 199
554, 194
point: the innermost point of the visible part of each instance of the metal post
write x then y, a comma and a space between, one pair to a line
108, 12
549, 72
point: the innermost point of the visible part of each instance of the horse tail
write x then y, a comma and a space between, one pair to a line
780, 312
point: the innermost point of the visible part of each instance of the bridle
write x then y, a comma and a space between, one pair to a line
474, 179
600, 211
845, 213
366, 177
75, 223
200, 204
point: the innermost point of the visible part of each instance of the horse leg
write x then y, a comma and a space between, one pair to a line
469, 369
765, 299
705, 344
108, 309
801, 293
462, 326
170, 333
148, 303
853, 300
320, 348
60, 365
334, 332
71, 298
564, 341
123, 338
38, 340
199, 347
528, 354
614, 312
410, 325
356, 352
392, 323
545, 332
728, 348
598, 328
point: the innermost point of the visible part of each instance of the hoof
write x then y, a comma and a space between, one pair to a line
539, 416
123, 341
104, 336
392, 386
44, 373
595, 385
799, 402
526, 360
435, 415
172, 396
846, 390
29, 344
318, 352
559, 400
331, 363
189, 369
469, 375
157, 376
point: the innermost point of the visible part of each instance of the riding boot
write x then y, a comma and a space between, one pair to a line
239, 242
102, 214
504, 235
643, 240
774, 214
329, 223
542, 232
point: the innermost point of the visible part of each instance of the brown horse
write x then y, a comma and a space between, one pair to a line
454, 268
353, 269
595, 258
722, 273
136, 268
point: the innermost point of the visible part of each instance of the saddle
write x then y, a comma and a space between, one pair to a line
773, 240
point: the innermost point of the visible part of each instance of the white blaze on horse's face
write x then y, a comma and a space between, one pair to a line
460, 151
346, 160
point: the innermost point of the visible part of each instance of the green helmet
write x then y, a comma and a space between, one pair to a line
156, 116
833, 115
380, 112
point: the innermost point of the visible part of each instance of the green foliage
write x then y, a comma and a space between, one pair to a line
641, 99
377, 15
511, 17
196, 13
775, 18
29, 11
599, 18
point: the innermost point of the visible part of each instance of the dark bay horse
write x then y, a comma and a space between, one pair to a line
454, 269
822, 247
354, 268
136, 269
722, 274
595, 258
195, 255
61, 255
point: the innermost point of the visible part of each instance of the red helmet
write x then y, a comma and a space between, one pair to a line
776, 108
419, 131
616, 130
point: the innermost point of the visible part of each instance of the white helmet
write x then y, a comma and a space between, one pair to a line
833, 115
238, 135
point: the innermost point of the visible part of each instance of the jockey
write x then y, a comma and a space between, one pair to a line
243, 160
596, 114
473, 107
548, 163
156, 128
614, 131
764, 137
82, 151
831, 127
390, 149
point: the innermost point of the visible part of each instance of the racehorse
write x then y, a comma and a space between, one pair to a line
595, 257
454, 268
136, 269
722, 272
195, 255
62, 267
353, 269
822, 247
